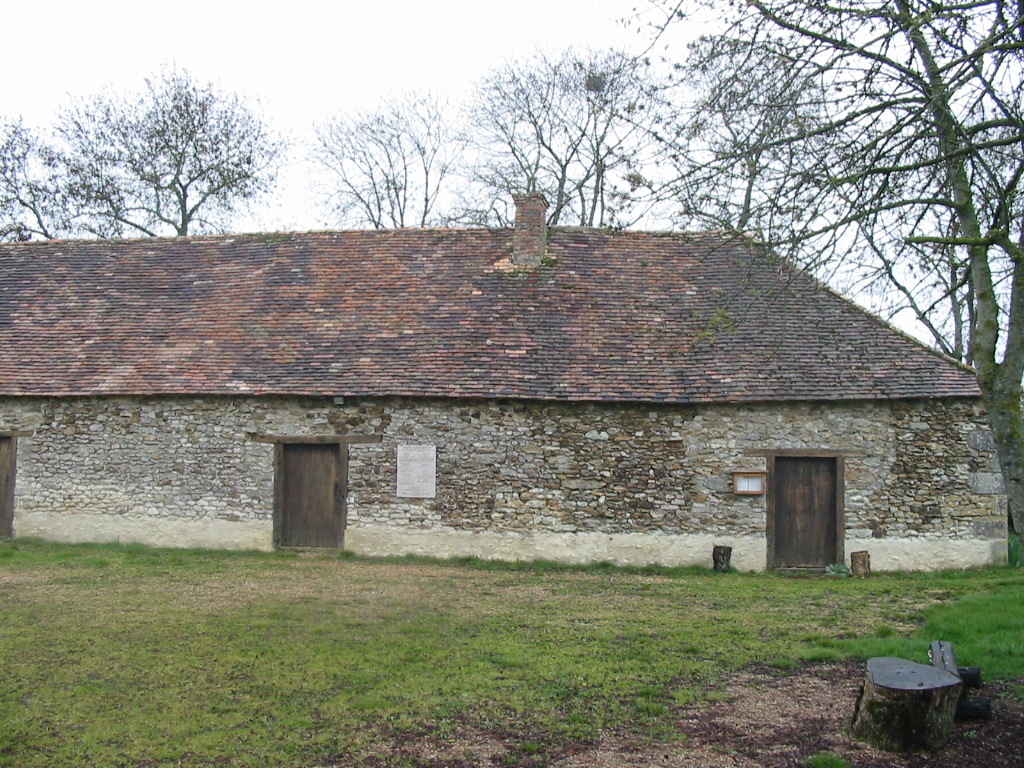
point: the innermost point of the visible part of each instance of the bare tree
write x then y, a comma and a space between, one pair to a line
391, 167
919, 151
31, 195
572, 127
179, 157
734, 168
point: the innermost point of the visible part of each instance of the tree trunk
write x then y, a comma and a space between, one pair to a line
1004, 412
905, 706
721, 556
1000, 382
860, 564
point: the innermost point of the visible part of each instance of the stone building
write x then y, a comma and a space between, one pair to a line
571, 394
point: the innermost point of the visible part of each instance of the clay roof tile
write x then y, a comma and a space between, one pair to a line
615, 316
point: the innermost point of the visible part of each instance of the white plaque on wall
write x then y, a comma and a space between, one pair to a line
417, 471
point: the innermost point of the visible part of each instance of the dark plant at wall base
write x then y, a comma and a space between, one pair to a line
1015, 554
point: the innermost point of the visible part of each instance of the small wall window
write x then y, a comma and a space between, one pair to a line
749, 483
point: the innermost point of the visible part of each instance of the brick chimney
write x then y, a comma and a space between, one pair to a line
530, 241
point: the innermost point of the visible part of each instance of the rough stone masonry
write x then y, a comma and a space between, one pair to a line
569, 481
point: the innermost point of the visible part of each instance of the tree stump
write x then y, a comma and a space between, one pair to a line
860, 564
721, 557
905, 706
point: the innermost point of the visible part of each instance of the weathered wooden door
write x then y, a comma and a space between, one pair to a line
310, 495
804, 492
7, 467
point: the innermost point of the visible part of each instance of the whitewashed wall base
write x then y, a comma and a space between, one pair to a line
153, 531
929, 554
621, 549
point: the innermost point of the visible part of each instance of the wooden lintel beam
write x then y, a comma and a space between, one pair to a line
816, 453
314, 439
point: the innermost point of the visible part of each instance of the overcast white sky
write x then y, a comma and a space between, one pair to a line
302, 60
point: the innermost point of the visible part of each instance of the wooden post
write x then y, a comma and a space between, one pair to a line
905, 706
943, 656
721, 557
860, 564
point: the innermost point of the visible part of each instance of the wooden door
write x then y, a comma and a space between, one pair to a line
804, 492
7, 446
310, 495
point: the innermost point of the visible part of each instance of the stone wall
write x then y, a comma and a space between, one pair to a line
567, 481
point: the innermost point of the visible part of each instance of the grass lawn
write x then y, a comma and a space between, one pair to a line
128, 656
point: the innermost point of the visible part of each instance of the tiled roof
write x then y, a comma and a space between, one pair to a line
613, 316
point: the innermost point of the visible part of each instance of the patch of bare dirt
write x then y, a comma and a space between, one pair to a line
777, 720
768, 719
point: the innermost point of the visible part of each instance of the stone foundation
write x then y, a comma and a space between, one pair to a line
572, 482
